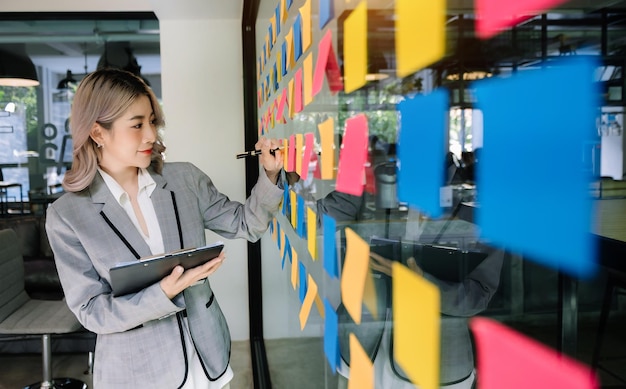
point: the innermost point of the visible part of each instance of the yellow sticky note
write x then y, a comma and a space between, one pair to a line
291, 87
283, 10
273, 24
361, 367
353, 274
285, 151
320, 305
282, 240
307, 304
274, 230
420, 34
416, 331
355, 48
305, 13
327, 141
299, 146
294, 268
307, 68
279, 58
311, 230
294, 208
290, 49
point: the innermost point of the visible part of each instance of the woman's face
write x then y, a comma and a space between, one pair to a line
128, 144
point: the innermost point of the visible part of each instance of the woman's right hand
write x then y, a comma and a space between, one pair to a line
180, 279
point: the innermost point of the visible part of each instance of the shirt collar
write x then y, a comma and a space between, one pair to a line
145, 182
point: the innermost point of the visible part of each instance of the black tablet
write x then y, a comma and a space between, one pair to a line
131, 277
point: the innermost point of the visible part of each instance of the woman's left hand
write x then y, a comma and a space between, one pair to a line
271, 157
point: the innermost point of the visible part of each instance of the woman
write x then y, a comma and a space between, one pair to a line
122, 203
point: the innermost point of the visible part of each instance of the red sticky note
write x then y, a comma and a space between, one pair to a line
291, 165
493, 16
327, 65
309, 139
508, 359
352, 156
297, 91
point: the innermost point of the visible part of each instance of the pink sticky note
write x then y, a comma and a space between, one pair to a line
309, 139
327, 65
291, 166
508, 359
282, 101
352, 156
297, 91
492, 16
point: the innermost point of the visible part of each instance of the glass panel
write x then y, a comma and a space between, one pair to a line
483, 278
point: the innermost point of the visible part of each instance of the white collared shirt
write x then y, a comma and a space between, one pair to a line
146, 186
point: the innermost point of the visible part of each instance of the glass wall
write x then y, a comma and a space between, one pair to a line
444, 210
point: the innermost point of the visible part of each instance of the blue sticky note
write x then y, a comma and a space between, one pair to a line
286, 201
289, 3
534, 174
270, 31
421, 151
301, 227
283, 59
302, 274
278, 19
331, 336
330, 246
287, 252
278, 241
297, 37
327, 12
275, 74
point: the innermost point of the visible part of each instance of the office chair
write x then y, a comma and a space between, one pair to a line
21, 315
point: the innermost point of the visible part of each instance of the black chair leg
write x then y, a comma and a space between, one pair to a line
604, 316
49, 382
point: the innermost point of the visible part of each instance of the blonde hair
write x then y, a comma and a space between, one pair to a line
102, 97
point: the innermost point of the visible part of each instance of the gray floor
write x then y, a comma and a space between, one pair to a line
300, 362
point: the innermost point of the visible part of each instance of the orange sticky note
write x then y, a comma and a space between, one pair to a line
416, 336
285, 154
311, 229
297, 91
508, 359
291, 87
307, 68
354, 273
327, 141
320, 305
419, 24
361, 367
305, 13
307, 304
355, 48
327, 65
352, 156
294, 206
299, 147
294, 268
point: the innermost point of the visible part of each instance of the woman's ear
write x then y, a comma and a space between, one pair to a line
96, 134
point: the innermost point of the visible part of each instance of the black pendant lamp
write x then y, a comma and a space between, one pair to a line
67, 82
16, 68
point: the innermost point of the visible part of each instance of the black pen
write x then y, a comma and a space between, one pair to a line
254, 153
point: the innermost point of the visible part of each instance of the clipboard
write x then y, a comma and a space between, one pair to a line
131, 277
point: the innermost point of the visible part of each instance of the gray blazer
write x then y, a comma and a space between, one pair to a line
139, 336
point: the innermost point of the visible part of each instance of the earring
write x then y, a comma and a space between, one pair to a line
99, 145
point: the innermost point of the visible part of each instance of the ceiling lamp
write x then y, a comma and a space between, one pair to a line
16, 68
67, 82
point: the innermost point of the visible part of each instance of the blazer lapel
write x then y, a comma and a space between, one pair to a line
166, 214
100, 194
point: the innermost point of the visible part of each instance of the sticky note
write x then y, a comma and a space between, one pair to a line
284, 58
286, 253
299, 149
272, 32
311, 224
354, 273
549, 226
291, 99
416, 333
419, 24
285, 200
327, 142
311, 294
355, 48
327, 65
492, 16
307, 81
297, 37
294, 208
330, 246
297, 92
291, 167
301, 223
352, 156
285, 154
290, 49
331, 336
305, 14
283, 10
327, 12
280, 111
307, 154
294, 268
422, 140
277, 19
302, 274
361, 367
508, 359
